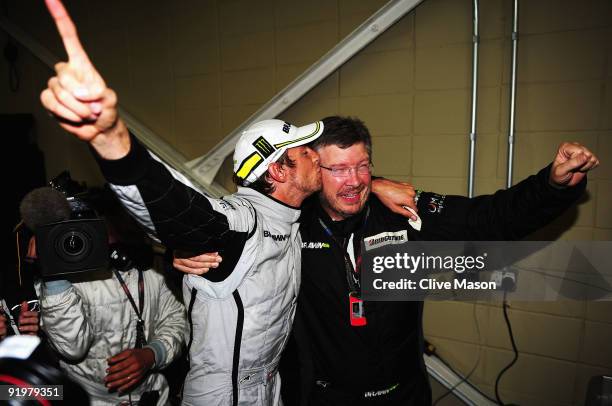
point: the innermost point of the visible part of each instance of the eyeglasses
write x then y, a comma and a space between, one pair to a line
345, 172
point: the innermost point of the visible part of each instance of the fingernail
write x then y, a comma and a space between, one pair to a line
95, 107
80, 92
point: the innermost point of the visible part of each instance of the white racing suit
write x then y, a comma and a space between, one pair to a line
240, 314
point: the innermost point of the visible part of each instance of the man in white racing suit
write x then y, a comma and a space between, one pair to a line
241, 316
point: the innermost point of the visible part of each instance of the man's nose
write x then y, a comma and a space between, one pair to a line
353, 177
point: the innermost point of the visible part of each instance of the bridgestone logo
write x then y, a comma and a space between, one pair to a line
387, 238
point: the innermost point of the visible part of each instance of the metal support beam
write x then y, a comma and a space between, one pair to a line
207, 166
475, 43
461, 389
511, 123
151, 140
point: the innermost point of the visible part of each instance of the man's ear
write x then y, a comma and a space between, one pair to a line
277, 172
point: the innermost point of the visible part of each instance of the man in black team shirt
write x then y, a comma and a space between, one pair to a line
382, 361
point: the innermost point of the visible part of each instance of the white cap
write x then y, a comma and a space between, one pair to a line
265, 141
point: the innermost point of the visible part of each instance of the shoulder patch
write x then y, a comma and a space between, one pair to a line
436, 204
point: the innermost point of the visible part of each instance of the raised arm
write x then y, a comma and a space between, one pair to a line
512, 213
78, 96
160, 198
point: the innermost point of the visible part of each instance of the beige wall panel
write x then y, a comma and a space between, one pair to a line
285, 74
444, 155
327, 89
604, 152
392, 155
609, 57
442, 112
113, 67
193, 148
195, 125
194, 57
490, 63
360, 6
383, 72
535, 150
599, 311
486, 158
194, 20
585, 372
193, 92
248, 51
487, 186
493, 20
444, 67
245, 16
455, 320
596, 348
254, 86
305, 43
462, 356
561, 56
488, 113
536, 376
313, 111
607, 104
451, 186
603, 216
149, 43
152, 103
547, 335
102, 15
290, 13
233, 116
399, 36
389, 114
455, 16
561, 15
557, 106
565, 308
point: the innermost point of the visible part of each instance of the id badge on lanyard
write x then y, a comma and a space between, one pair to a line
352, 265
356, 311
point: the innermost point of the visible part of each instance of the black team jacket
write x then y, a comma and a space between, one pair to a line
340, 364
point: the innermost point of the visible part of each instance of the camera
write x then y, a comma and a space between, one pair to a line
72, 246
76, 244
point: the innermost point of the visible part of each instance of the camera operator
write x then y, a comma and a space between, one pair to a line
114, 329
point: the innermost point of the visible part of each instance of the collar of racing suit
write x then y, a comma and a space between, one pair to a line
270, 207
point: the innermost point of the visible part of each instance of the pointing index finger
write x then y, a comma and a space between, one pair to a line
67, 31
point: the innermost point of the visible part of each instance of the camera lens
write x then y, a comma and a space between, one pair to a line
73, 243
